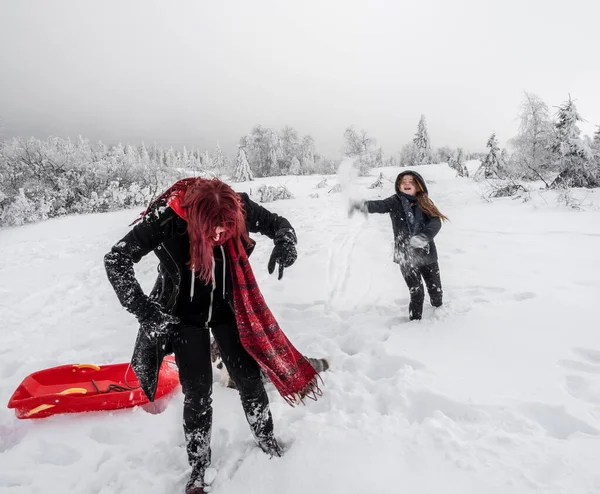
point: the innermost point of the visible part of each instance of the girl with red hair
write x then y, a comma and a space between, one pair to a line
198, 229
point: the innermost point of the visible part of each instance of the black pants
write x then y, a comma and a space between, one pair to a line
191, 345
412, 275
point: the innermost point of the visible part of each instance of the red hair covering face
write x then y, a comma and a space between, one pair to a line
209, 204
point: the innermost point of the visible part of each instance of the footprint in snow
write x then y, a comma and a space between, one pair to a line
586, 386
556, 421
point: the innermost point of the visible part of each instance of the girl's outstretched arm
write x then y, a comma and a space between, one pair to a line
380, 206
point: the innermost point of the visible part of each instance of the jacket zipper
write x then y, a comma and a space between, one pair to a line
224, 264
175, 293
212, 294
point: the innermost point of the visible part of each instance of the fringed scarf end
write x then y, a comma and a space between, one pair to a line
312, 391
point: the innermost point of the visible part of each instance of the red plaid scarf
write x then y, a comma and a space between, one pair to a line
289, 371
261, 336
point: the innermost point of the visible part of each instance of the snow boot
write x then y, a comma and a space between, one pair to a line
436, 298
270, 446
319, 364
196, 483
415, 310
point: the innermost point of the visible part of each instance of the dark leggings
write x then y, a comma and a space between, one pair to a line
431, 275
191, 345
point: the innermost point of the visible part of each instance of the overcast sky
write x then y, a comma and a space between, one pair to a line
197, 72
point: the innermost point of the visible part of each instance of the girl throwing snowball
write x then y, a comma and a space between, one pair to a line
415, 221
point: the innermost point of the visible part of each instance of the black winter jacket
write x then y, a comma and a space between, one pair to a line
403, 253
165, 233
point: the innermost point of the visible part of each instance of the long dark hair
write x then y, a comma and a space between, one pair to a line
425, 203
428, 206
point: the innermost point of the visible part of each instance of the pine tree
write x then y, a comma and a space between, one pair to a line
573, 156
461, 167
242, 171
218, 161
457, 162
421, 141
491, 165
568, 144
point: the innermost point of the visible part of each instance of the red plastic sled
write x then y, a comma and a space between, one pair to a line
85, 388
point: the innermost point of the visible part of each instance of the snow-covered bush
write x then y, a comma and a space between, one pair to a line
269, 193
322, 184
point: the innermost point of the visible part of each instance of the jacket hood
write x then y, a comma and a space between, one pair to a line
417, 176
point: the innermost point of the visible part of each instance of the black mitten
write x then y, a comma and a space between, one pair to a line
284, 253
355, 205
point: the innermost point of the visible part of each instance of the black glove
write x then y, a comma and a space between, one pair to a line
154, 322
284, 253
355, 205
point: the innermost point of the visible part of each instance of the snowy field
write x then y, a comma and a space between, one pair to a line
498, 391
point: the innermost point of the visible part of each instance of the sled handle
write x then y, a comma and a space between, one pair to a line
35, 410
70, 391
41, 408
85, 366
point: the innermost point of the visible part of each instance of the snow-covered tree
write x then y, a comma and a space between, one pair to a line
379, 183
242, 171
421, 141
443, 154
273, 163
323, 183
532, 145
263, 150
290, 148
307, 147
573, 156
595, 146
170, 158
492, 164
457, 162
271, 154
360, 146
207, 163
391, 161
295, 167
218, 160
144, 155
44, 179
409, 155
269, 193
308, 154
356, 143
568, 143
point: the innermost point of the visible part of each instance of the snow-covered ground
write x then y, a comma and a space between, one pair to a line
496, 392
